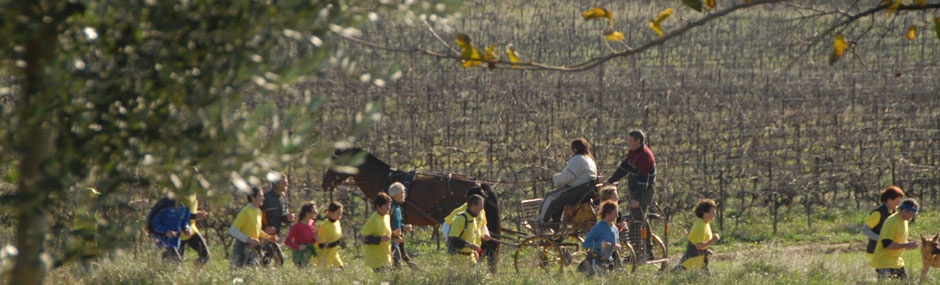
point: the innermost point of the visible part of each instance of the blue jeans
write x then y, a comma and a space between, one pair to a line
241, 255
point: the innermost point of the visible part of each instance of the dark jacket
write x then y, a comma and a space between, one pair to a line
275, 211
640, 168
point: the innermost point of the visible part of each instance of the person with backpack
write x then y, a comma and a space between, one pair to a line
330, 235
246, 229
463, 239
481, 223
168, 223
302, 237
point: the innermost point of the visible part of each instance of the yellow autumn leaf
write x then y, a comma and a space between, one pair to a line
709, 4
654, 24
893, 8
513, 57
838, 50
922, 3
490, 56
663, 15
468, 51
614, 35
911, 32
656, 28
598, 12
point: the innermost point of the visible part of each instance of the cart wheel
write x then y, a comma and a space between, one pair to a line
627, 256
660, 253
658, 262
539, 255
271, 255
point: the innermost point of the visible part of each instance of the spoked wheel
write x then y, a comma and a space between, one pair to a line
271, 255
539, 255
658, 261
627, 256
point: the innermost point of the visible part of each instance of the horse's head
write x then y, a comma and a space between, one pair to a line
337, 173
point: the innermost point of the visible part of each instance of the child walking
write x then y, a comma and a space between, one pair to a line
303, 236
700, 237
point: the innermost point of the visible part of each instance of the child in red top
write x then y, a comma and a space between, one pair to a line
303, 235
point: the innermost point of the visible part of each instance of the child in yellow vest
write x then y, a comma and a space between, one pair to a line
330, 233
700, 237
377, 233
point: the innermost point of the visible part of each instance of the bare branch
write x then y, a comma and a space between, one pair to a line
585, 65
433, 32
851, 19
601, 59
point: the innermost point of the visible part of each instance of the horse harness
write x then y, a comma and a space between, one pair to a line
409, 179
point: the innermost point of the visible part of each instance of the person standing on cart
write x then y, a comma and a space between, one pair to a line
640, 169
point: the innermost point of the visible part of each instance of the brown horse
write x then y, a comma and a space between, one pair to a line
430, 198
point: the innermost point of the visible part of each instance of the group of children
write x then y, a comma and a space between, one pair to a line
174, 227
465, 227
309, 242
312, 242
886, 228
383, 242
603, 240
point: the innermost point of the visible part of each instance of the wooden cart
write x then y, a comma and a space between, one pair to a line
551, 247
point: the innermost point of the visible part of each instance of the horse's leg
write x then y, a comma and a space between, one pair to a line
491, 250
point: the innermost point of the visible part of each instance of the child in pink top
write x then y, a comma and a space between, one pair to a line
303, 235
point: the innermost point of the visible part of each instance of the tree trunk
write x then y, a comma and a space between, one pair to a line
35, 113
31, 218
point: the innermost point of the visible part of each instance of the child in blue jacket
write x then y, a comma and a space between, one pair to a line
167, 226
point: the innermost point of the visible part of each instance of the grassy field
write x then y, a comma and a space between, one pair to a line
832, 253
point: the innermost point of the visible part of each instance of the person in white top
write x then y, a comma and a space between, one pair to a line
580, 170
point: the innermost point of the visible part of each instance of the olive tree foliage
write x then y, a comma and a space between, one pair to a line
109, 94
